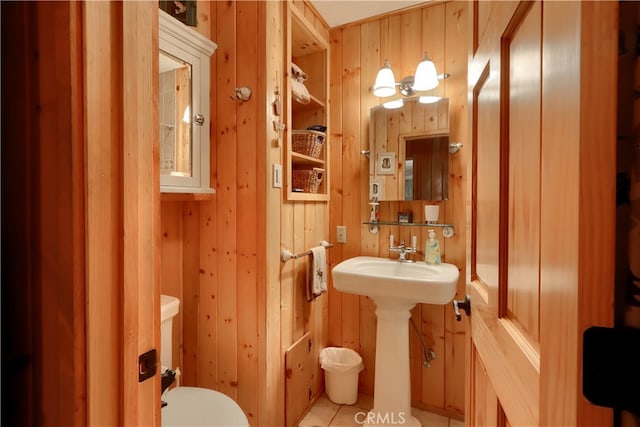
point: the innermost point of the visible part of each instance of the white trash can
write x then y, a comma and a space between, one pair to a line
341, 368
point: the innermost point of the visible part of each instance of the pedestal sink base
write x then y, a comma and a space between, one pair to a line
392, 392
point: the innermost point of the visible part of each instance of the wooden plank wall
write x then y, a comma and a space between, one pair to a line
241, 308
357, 52
238, 301
210, 248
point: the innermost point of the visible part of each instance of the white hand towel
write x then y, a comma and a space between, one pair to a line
318, 272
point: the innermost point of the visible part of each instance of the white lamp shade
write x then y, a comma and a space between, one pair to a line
429, 99
426, 76
385, 84
393, 104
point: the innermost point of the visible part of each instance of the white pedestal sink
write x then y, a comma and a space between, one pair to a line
395, 288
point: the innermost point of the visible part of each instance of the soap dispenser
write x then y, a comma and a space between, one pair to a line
432, 249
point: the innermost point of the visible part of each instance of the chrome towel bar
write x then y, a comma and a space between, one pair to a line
286, 255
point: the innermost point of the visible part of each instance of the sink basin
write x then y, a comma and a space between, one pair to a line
382, 277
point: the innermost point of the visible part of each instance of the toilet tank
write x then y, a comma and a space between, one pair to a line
169, 307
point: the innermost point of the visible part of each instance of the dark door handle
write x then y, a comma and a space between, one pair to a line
464, 305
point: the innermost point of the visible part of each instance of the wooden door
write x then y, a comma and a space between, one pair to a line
80, 213
540, 250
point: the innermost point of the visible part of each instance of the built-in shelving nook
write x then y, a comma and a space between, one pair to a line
307, 168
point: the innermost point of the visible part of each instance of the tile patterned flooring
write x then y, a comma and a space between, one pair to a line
325, 413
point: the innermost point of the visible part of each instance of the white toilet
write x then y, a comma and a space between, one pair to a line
192, 406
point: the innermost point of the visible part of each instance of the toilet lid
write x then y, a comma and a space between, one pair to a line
195, 406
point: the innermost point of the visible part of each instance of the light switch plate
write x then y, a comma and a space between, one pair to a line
277, 175
341, 233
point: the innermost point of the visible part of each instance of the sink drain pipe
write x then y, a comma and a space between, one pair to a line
429, 354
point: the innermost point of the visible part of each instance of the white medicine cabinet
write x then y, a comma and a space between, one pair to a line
183, 100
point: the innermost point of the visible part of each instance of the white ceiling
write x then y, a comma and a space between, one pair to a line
337, 12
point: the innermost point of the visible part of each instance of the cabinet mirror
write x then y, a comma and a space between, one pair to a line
175, 117
409, 152
183, 99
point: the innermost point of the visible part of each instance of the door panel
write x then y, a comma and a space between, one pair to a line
521, 48
532, 288
511, 364
486, 401
486, 197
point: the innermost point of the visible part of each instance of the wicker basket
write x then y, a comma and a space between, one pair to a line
307, 180
307, 142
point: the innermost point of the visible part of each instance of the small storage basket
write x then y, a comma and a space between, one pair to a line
307, 180
307, 142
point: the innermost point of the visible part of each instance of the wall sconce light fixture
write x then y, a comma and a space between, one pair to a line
425, 79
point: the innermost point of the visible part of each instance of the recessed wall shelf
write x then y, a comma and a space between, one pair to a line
308, 49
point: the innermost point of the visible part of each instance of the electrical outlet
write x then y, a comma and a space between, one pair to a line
341, 233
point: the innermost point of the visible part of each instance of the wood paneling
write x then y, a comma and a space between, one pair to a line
456, 90
122, 278
271, 385
103, 205
301, 362
141, 207
250, 176
280, 309
357, 52
241, 307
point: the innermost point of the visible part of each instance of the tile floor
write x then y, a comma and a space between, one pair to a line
325, 413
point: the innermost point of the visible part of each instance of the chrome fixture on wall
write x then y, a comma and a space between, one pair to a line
425, 79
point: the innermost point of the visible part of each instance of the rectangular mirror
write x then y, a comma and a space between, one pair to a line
409, 151
175, 116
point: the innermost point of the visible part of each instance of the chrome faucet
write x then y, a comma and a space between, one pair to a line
403, 250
